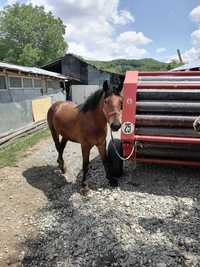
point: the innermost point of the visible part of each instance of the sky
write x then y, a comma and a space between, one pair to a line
131, 29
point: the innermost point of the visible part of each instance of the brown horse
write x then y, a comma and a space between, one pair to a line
87, 124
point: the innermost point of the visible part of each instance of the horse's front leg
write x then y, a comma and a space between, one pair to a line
86, 154
103, 153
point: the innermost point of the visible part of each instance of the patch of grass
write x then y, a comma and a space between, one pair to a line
10, 154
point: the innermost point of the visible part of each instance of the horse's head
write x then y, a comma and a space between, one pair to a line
112, 105
196, 124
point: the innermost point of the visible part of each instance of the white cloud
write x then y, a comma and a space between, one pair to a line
11, 2
79, 49
195, 14
107, 49
136, 38
191, 54
160, 50
196, 37
123, 17
170, 58
92, 28
71, 9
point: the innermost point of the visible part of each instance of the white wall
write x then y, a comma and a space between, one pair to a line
81, 92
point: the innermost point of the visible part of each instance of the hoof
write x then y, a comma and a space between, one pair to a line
61, 166
84, 190
113, 183
63, 169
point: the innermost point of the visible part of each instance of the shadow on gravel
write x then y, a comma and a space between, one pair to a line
164, 180
45, 178
67, 237
158, 179
182, 229
80, 231
170, 180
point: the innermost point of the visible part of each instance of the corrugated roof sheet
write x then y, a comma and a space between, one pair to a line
190, 65
32, 70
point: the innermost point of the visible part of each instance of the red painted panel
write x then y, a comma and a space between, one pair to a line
129, 106
127, 149
129, 113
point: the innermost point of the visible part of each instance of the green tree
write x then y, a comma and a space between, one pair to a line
30, 36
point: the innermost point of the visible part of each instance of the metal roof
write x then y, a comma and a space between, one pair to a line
32, 70
189, 66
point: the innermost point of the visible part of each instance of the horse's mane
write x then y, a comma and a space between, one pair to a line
92, 101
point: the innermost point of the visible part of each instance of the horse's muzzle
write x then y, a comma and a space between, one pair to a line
115, 126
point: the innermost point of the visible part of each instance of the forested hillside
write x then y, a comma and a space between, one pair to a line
121, 65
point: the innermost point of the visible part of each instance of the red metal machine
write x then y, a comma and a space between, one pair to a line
159, 109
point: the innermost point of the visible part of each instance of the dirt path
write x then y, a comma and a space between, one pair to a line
152, 219
25, 190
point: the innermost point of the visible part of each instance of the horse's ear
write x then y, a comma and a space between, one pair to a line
119, 88
105, 86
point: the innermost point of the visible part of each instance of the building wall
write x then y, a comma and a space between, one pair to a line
90, 77
55, 67
81, 92
17, 95
86, 73
16, 88
74, 67
15, 115
96, 76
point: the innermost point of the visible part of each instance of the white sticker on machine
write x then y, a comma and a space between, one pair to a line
128, 127
129, 101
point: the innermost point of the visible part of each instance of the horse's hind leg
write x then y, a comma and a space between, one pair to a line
55, 137
60, 160
59, 147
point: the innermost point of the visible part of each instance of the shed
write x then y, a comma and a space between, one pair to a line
85, 77
19, 83
76, 67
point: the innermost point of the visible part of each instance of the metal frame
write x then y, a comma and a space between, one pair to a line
131, 84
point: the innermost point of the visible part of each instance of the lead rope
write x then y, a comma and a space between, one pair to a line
117, 153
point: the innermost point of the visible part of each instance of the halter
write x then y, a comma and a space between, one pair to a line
133, 151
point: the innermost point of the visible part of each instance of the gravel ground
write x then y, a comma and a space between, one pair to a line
151, 219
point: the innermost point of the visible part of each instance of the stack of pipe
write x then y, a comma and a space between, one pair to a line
165, 109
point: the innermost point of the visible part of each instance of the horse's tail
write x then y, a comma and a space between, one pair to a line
50, 120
